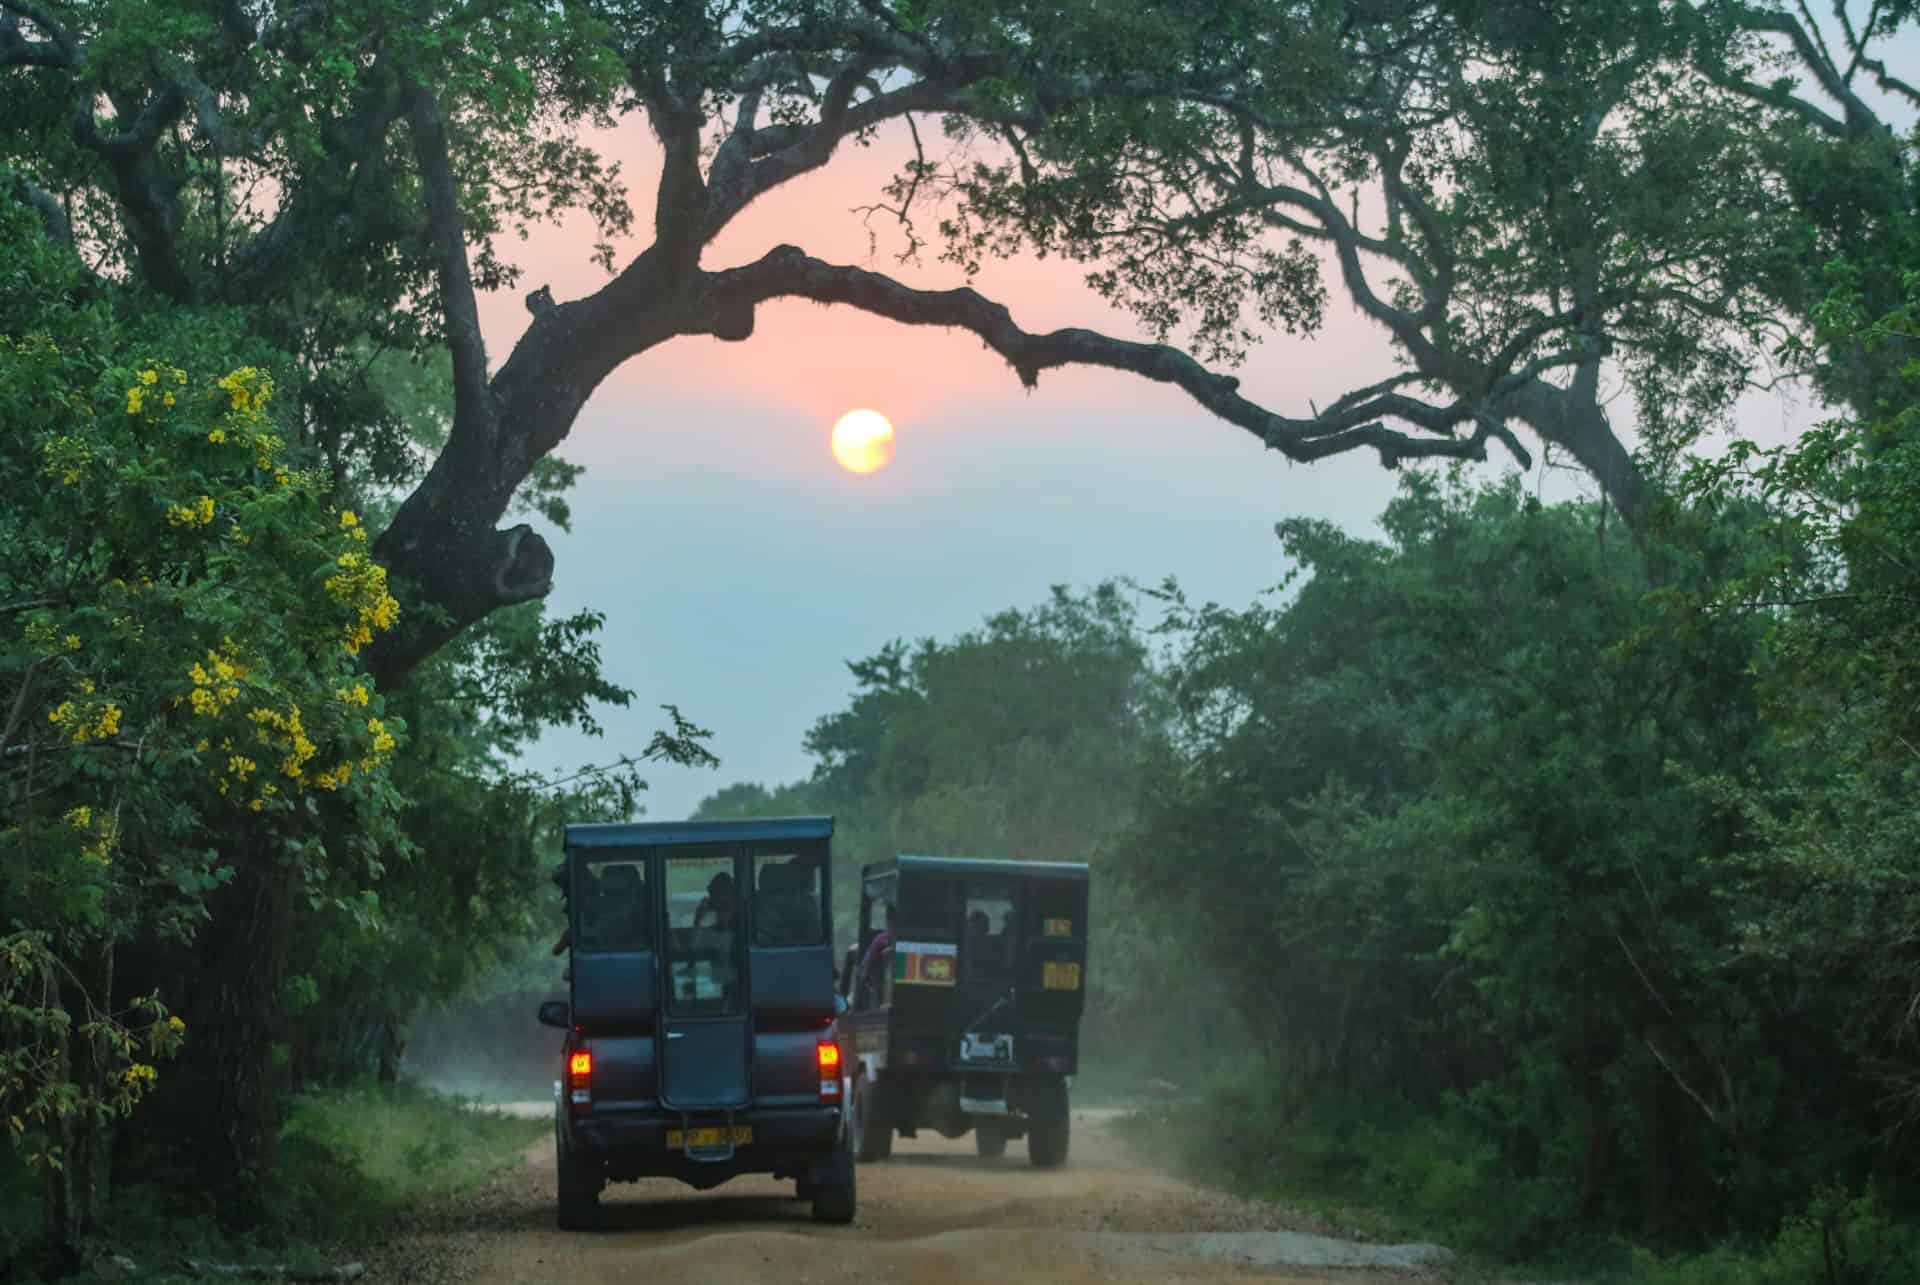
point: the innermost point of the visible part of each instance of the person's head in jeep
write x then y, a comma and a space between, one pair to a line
717, 910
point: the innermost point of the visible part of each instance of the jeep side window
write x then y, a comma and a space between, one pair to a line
613, 906
787, 900
880, 922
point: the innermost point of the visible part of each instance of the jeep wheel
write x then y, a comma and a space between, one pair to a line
989, 1141
836, 1203
873, 1129
579, 1203
1047, 1125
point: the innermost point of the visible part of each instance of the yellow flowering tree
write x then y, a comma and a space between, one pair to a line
184, 717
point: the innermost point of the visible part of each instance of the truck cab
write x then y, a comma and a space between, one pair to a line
702, 1040
965, 988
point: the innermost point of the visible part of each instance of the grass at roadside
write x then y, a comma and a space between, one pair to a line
351, 1161
1384, 1172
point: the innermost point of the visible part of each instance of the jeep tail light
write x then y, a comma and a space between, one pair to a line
580, 1078
829, 1054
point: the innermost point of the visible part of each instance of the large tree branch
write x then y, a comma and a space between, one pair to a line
798, 151
1859, 117
787, 272
472, 409
55, 48
52, 217
355, 167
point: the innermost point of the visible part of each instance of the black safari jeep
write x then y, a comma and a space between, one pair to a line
701, 1037
965, 990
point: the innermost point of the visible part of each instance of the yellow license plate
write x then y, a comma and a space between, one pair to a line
714, 1137
1059, 976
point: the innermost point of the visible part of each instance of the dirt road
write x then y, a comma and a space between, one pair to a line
934, 1214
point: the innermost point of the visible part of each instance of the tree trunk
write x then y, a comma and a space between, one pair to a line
1596, 1172
74, 1195
228, 1079
393, 1047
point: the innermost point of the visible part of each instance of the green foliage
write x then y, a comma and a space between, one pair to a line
1832, 835
371, 1151
351, 1159
1377, 1167
1839, 1239
182, 614
1449, 819
196, 761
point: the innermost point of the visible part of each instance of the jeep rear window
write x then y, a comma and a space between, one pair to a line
613, 906
988, 941
703, 936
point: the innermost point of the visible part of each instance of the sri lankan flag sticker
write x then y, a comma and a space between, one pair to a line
925, 963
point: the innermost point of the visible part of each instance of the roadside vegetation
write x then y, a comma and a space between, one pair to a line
1547, 872
348, 1162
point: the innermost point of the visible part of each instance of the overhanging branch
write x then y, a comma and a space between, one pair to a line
787, 272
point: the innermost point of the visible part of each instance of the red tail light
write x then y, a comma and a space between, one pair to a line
580, 1078
829, 1054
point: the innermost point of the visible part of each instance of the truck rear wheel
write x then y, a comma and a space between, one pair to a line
1047, 1124
989, 1141
872, 1123
579, 1190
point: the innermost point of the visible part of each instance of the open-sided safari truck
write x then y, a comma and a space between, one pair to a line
701, 1038
965, 990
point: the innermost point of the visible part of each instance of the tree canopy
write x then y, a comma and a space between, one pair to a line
1533, 200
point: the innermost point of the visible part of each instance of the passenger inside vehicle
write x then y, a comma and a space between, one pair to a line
614, 914
786, 909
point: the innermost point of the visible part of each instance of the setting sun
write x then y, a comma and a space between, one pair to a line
863, 441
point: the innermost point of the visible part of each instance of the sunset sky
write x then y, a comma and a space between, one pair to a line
739, 566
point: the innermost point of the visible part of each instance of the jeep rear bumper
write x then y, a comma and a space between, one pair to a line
787, 1142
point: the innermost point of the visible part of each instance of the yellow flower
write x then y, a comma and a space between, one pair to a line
217, 436
166, 399
80, 818
348, 520
149, 377
177, 1026
73, 642
134, 399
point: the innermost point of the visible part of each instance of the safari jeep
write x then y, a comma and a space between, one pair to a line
701, 1038
965, 989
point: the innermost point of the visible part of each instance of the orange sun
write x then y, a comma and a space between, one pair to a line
863, 441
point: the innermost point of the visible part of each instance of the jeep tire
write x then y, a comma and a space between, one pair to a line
1047, 1124
836, 1202
579, 1190
872, 1123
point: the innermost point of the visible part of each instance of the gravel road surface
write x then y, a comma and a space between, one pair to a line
933, 1214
